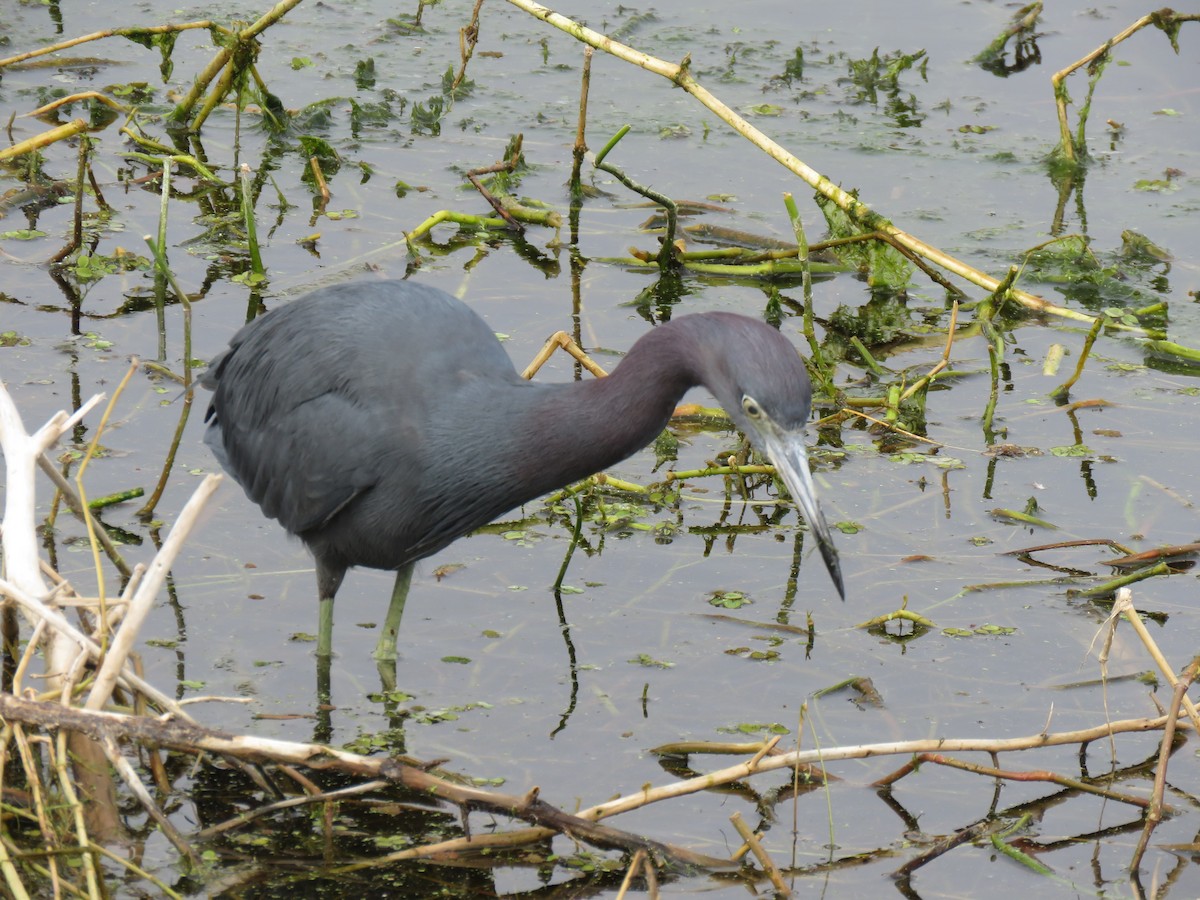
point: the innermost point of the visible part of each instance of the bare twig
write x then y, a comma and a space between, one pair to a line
1123, 606
747, 834
468, 37
1154, 814
147, 591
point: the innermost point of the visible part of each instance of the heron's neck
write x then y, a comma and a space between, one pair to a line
575, 430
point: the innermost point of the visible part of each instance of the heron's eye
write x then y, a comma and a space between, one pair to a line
751, 408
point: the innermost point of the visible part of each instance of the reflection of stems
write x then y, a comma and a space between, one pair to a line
681, 76
986, 310
562, 570
1024, 21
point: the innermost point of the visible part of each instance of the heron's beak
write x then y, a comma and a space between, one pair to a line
788, 454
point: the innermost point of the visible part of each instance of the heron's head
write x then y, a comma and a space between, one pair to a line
762, 383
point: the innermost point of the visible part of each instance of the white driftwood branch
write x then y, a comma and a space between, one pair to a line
143, 598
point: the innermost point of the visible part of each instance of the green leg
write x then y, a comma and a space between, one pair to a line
325, 627
329, 579
386, 648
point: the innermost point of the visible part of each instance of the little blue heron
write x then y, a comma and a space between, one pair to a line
380, 421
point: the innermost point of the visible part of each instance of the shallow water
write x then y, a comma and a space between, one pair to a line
484, 657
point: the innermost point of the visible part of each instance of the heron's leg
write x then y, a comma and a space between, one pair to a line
386, 648
325, 627
329, 579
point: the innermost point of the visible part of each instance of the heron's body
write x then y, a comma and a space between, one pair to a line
380, 421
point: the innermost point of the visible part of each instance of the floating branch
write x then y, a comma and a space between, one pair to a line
138, 34
45, 139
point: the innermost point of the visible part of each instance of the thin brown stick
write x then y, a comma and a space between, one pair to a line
747, 834
319, 176
1073, 784
1123, 605
579, 150
468, 37
639, 858
1155, 813
495, 204
77, 222
508, 165
942, 847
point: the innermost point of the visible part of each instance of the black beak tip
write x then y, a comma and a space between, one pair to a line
835, 569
